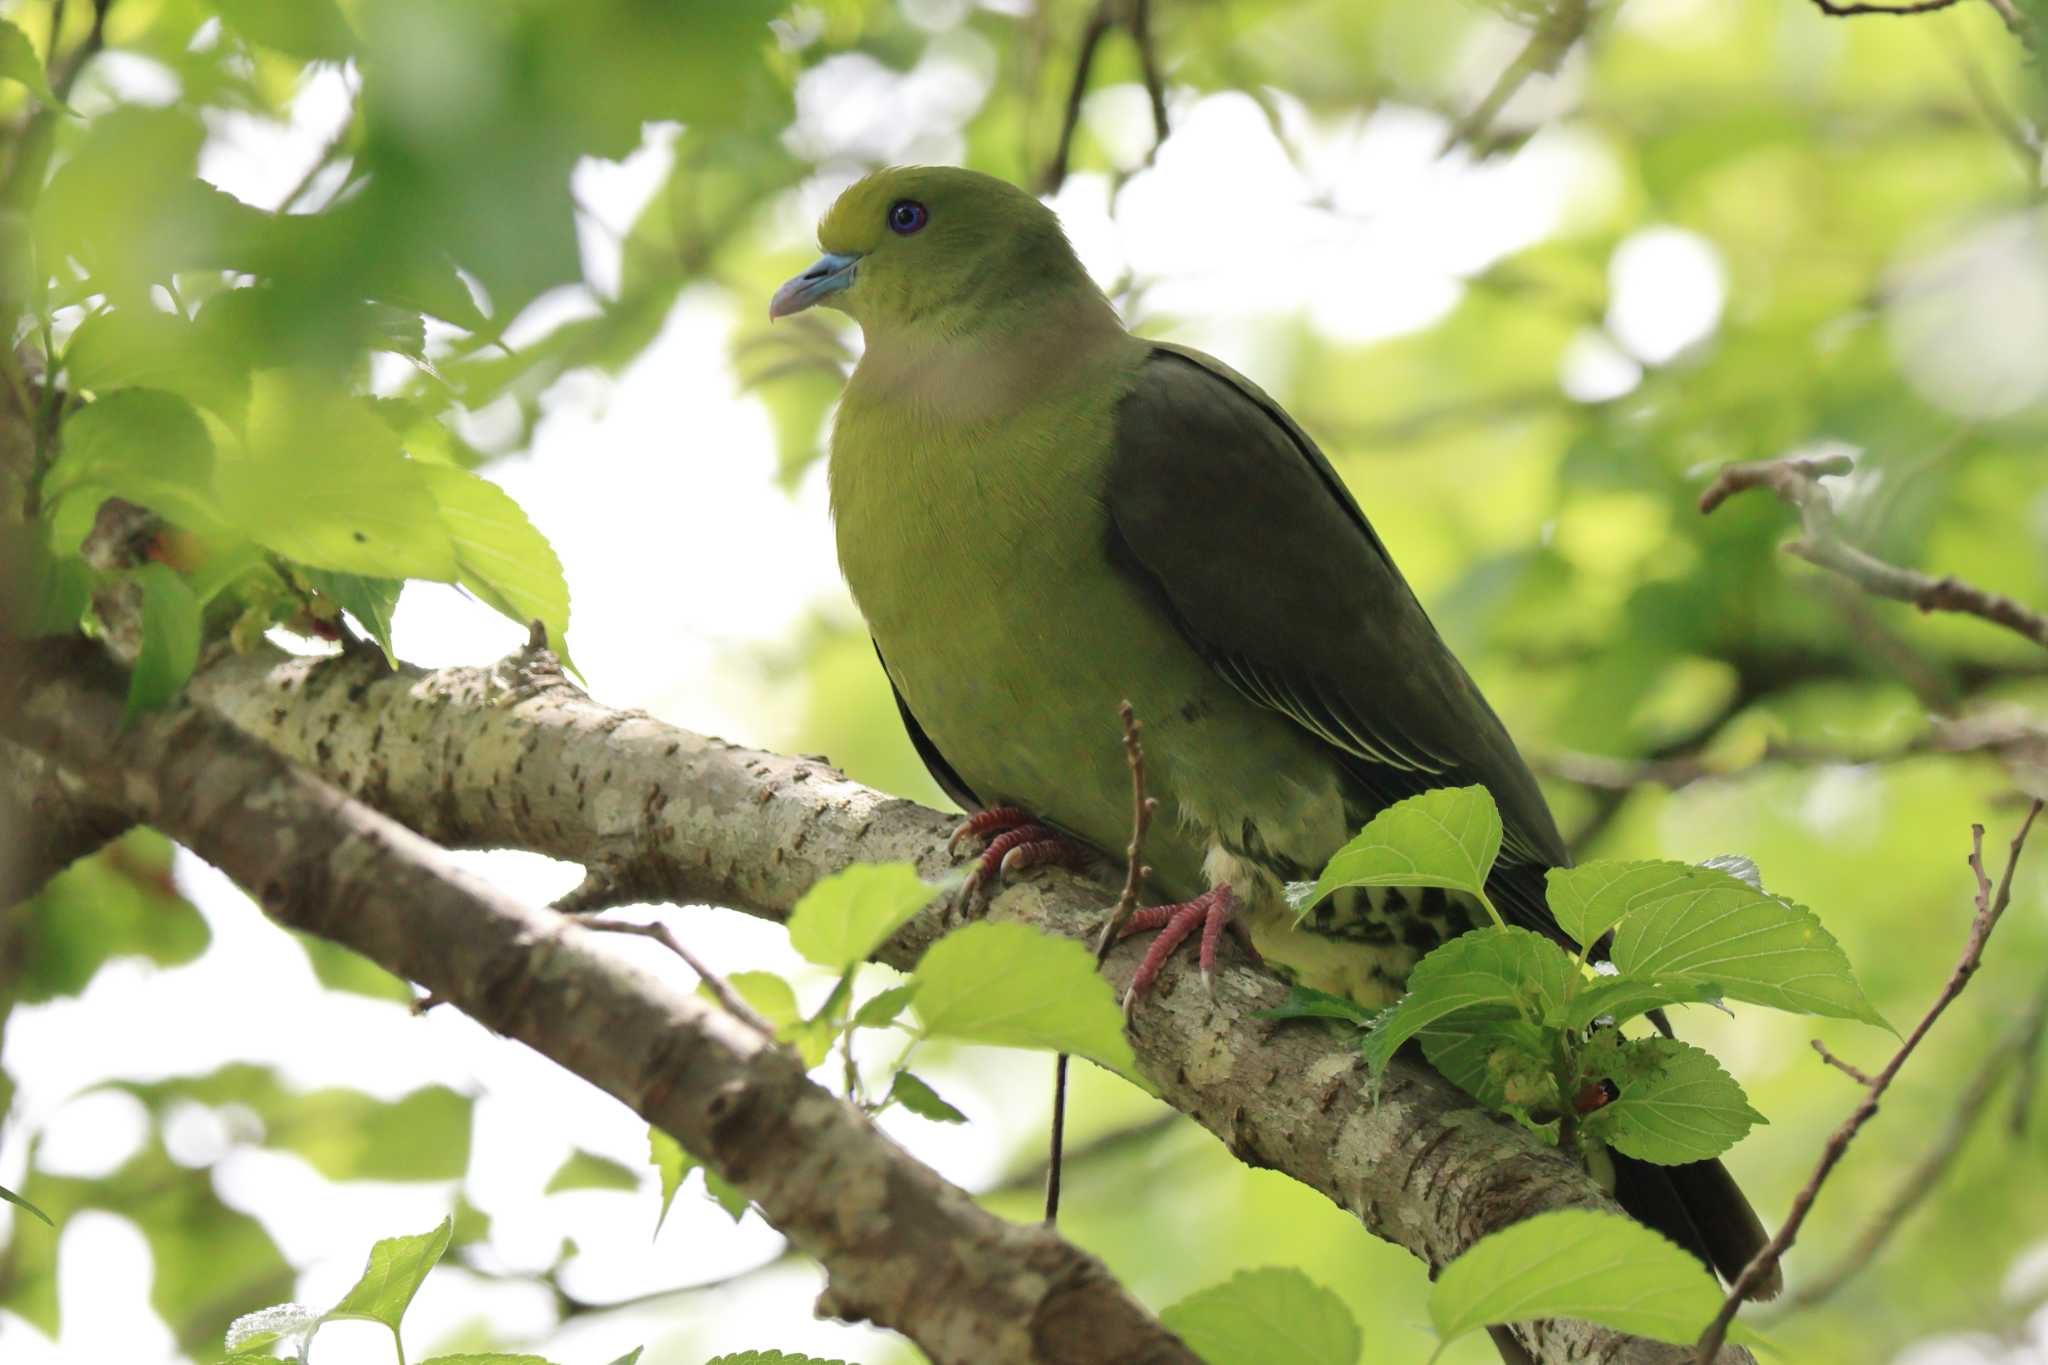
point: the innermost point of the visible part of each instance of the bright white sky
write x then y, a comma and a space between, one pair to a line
651, 488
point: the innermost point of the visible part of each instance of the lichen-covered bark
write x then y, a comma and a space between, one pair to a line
900, 1246
516, 757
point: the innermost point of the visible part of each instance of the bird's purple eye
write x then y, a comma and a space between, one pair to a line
906, 216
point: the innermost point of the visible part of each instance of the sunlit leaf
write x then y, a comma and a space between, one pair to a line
1622, 998
1576, 1263
770, 1358
284, 1322
320, 480
1303, 1002
18, 62
170, 639
885, 1006
372, 601
1011, 985
1675, 1105
920, 1099
725, 1194
1514, 967
582, 1170
1448, 837
310, 29
846, 916
1260, 1316
146, 446
502, 558
1697, 922
673, 1164
396, 1269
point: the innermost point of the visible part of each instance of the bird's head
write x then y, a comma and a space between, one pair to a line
934, 247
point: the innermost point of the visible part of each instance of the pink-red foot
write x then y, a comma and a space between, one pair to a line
1016, 842
1211, 910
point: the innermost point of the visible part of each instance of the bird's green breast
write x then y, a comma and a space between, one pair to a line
978, 549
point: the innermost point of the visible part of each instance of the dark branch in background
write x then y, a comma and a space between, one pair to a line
901, 1247
1135, 17
1796, 481
2007, 732
1991, 906
2015, 22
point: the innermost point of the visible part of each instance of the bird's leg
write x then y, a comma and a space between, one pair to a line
1016, 841
1212, 910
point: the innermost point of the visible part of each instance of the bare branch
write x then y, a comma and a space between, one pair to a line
1562, 26
1849, 1069
1134, 16
1795, 479
1990, 906
1084, 63
901, 1247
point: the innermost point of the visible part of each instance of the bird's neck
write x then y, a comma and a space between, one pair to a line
978, 368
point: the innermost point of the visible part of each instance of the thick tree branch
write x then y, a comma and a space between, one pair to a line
901, 1247
511, 758
1796, 480
46, 823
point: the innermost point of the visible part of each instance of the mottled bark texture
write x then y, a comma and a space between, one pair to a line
516, 757
900, 1246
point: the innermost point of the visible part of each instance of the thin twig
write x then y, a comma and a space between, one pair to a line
1835, 10
719, 987
1920, 1182
1091, 39
1542, 54
1155, 82
1795, 479
1849, 1069
1990, 906
1135, 873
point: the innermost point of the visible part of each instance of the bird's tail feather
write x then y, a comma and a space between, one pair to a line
1698, 1206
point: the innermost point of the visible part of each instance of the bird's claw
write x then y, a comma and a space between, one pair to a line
1212, 910
1016, 843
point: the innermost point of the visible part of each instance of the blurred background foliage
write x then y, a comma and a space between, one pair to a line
1528, 273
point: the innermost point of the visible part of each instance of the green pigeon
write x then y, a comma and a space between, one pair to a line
1041, 515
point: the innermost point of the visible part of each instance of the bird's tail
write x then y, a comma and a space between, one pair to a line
1698, 1206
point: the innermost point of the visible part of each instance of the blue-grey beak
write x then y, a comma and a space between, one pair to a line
828, 275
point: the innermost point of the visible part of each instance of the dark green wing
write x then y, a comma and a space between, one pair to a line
1275, 575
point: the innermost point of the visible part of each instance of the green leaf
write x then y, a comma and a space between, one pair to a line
774, 1000
502, 558
588, 1171
286, 1322
372, 601
1303, 1002
769, 1358
882, 1009
1496, 1056
1704, 924
1518, 968
488, 1358
10, 1197
846, 916
143, 445
1011, 985
920, 1099
725, 1194
1588, 900
170, 640
312, 30
343, 969
1448, 837
631, 1357
1622, 998
120, 902
1259, 1316
397, 1267
1576, 1263
18, 62
673, 1164
1676, 1103
138, 347
321, 481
